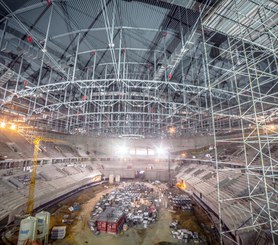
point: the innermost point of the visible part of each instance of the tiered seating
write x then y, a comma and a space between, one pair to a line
203, 180
25, 149
204, 188
198, 172
187, 173
10, 197
43, 188
5, 150
49, 149
50, 172
3, 189
63, 185
68, 150
224, 174
60, 183
18, 182
234, 215
227, 185
19, 149
209, 175
57, 184
70, 170
235, 153
80, 169
89, 169
82, 151
3, 213
13, 200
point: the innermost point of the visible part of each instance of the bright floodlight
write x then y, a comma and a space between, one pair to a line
3, 125
13, 127
172, 130
121, 150
161, 151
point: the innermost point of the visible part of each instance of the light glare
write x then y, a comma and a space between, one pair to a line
13, 127
172, 130
3, 125
161, 151
121, 150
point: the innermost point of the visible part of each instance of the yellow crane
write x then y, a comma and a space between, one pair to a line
32, 187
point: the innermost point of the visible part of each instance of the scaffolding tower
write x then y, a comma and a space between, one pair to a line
245, 66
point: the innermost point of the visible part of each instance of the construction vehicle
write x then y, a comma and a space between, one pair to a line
181, 184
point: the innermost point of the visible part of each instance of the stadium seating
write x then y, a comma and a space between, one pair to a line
50, 183
201, 180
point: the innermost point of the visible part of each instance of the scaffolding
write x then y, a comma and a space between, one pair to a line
245, 65
212, 71
115, 92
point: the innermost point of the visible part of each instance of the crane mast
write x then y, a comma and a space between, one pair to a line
32, 186
30, 202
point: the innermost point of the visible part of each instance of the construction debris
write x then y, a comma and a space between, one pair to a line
129, 205
184, 235
181, 202
74, 207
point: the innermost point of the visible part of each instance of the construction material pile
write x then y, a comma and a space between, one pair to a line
181, 202
136, 201
185, 235
183, 205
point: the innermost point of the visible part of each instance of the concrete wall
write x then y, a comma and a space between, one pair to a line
98, 146
124, 173
108, 146
161, 175
133, 163
158, 174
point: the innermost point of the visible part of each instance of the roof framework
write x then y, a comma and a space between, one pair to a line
132, 69
123, 67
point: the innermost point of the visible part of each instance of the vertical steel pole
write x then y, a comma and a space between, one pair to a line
169, 167
207, 77
76, 57
18, 76
47, 94
120, 54
154, 63
3, 34
94, 66
44, 51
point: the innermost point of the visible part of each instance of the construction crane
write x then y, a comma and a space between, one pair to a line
32, 187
